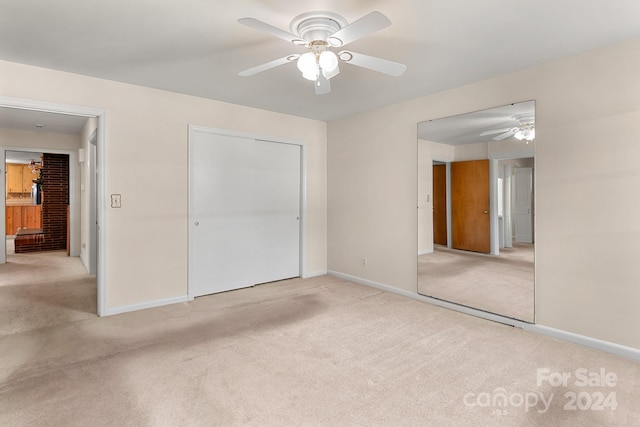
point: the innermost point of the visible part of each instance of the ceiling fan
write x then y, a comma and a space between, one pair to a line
319, 33
525, 130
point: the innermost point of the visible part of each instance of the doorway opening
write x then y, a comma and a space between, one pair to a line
37, 223
68, 280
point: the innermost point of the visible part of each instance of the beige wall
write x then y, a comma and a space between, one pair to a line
471, 152
146, 162
587, 176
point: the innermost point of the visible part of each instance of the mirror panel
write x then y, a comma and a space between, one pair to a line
476, 209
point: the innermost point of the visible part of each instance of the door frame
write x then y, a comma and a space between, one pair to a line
528, 151
303, 188
91, 160
101, 116
530, 207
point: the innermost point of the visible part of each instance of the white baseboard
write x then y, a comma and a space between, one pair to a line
314, 274
425, 252
371, 283
142, 306
606, 346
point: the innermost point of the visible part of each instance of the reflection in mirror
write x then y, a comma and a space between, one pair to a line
476, 210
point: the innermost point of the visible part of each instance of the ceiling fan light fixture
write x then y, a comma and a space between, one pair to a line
311, 75
328, 61
308, 65
321, 31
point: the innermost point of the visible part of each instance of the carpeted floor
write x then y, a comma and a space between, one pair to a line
318, 351
501, 284
43, 289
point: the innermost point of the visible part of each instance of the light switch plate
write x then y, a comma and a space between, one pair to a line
116, 201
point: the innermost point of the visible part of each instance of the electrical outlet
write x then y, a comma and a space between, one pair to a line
364, 261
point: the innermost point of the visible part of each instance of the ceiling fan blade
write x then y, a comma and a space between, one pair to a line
268, 65
503, 136
492, 132
274, 31
371, 62
370, 23
322, 84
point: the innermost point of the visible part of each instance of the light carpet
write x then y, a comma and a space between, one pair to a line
318, 351
43, 289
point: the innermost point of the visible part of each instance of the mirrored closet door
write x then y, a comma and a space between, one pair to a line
476, 209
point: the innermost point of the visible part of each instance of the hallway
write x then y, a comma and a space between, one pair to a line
39, 290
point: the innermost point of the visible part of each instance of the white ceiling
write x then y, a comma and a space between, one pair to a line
197, 47
22, 157
39, 121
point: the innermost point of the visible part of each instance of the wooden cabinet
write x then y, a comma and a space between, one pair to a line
13, 219
26, 216
27, 179
19, 178
14, 178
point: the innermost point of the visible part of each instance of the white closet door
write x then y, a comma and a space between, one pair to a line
245, 212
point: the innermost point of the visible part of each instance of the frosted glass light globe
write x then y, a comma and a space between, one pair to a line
308, 65
328, 61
